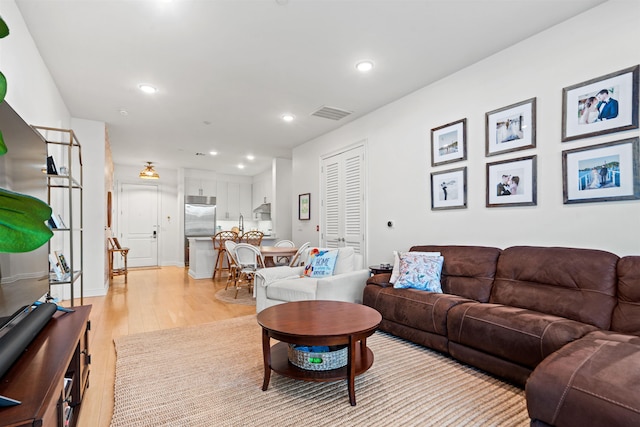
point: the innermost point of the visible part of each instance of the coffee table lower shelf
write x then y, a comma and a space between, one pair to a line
280, 364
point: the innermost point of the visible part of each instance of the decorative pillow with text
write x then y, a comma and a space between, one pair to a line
321, 263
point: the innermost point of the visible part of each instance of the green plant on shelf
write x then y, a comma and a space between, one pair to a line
22, 217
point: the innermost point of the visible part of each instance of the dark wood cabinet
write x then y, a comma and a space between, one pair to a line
52, 374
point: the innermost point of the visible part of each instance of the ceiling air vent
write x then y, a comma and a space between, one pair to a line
331, 113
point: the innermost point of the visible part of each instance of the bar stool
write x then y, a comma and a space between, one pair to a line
253, 237
218, 245
114, 246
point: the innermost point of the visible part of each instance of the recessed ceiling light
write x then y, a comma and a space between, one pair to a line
213, 153
147, 88
240, 166
124, 112
364, 66
250, 157
288, 117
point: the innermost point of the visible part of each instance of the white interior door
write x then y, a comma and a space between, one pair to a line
139, 223
343, 196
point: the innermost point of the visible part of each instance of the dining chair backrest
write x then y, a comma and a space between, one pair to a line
252, 237
296, 260
230, 247
222, 236
285, 243
248, 256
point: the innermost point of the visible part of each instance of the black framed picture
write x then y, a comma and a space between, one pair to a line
602, 105
449, 189
304, 206
601, 173
449, 143
511, 128
512, 182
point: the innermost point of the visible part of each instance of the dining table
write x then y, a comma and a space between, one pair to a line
271, 253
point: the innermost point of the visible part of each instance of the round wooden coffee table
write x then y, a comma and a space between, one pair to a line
318, 323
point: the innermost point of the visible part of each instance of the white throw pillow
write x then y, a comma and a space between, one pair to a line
395, 273
344, 263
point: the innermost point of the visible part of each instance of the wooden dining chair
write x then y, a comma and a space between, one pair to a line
249, 259
297, 258
283, 260
234, 271
252, 237
218, 245
115, 247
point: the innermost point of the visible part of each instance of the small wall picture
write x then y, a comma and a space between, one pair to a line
512, 182
449, 189
602, 105
511, 128
304, 206
601, 173
449, 143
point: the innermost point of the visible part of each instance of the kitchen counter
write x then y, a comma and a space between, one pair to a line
202, 257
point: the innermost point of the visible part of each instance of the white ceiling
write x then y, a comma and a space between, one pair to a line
227, 70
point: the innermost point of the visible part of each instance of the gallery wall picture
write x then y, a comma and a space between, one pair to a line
511, 128
449, 143
512, 182
601, 173
449, 189
304, 206
602, 105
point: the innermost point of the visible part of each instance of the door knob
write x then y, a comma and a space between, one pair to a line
154, 234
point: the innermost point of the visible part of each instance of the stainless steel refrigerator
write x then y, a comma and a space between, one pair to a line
199, 219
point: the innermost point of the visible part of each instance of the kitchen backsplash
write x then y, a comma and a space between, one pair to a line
264, 226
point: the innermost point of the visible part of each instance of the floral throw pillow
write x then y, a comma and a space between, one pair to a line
419, 271
395, 273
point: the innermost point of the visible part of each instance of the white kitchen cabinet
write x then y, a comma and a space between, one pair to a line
233, 199
200, 186
246, 192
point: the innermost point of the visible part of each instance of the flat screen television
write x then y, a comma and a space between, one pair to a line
23, 276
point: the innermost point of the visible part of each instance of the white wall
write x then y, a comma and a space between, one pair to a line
91, 136
399, 159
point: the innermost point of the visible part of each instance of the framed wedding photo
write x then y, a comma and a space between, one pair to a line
512, 182
304, 206
449, 189
602, 105
511, 128
449, 143
601, 173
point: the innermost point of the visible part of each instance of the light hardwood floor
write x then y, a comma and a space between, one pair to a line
153, 299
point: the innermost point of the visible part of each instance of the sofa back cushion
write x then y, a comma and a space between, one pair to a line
467, 271
578, 284
626, 315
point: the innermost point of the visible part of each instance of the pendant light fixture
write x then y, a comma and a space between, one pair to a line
149, 172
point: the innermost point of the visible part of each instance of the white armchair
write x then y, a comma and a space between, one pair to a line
278, 285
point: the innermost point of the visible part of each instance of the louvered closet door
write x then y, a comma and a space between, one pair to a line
342, 201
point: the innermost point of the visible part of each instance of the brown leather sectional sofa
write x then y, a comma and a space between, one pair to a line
563, 322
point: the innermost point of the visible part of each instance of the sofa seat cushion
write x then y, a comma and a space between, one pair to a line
518, 335
590, 382
425, 311
298, 289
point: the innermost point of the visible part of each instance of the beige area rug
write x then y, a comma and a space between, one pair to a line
211, 375
245, 297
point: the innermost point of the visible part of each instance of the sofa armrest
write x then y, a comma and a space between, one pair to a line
343, 287
381, 279
265, 276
